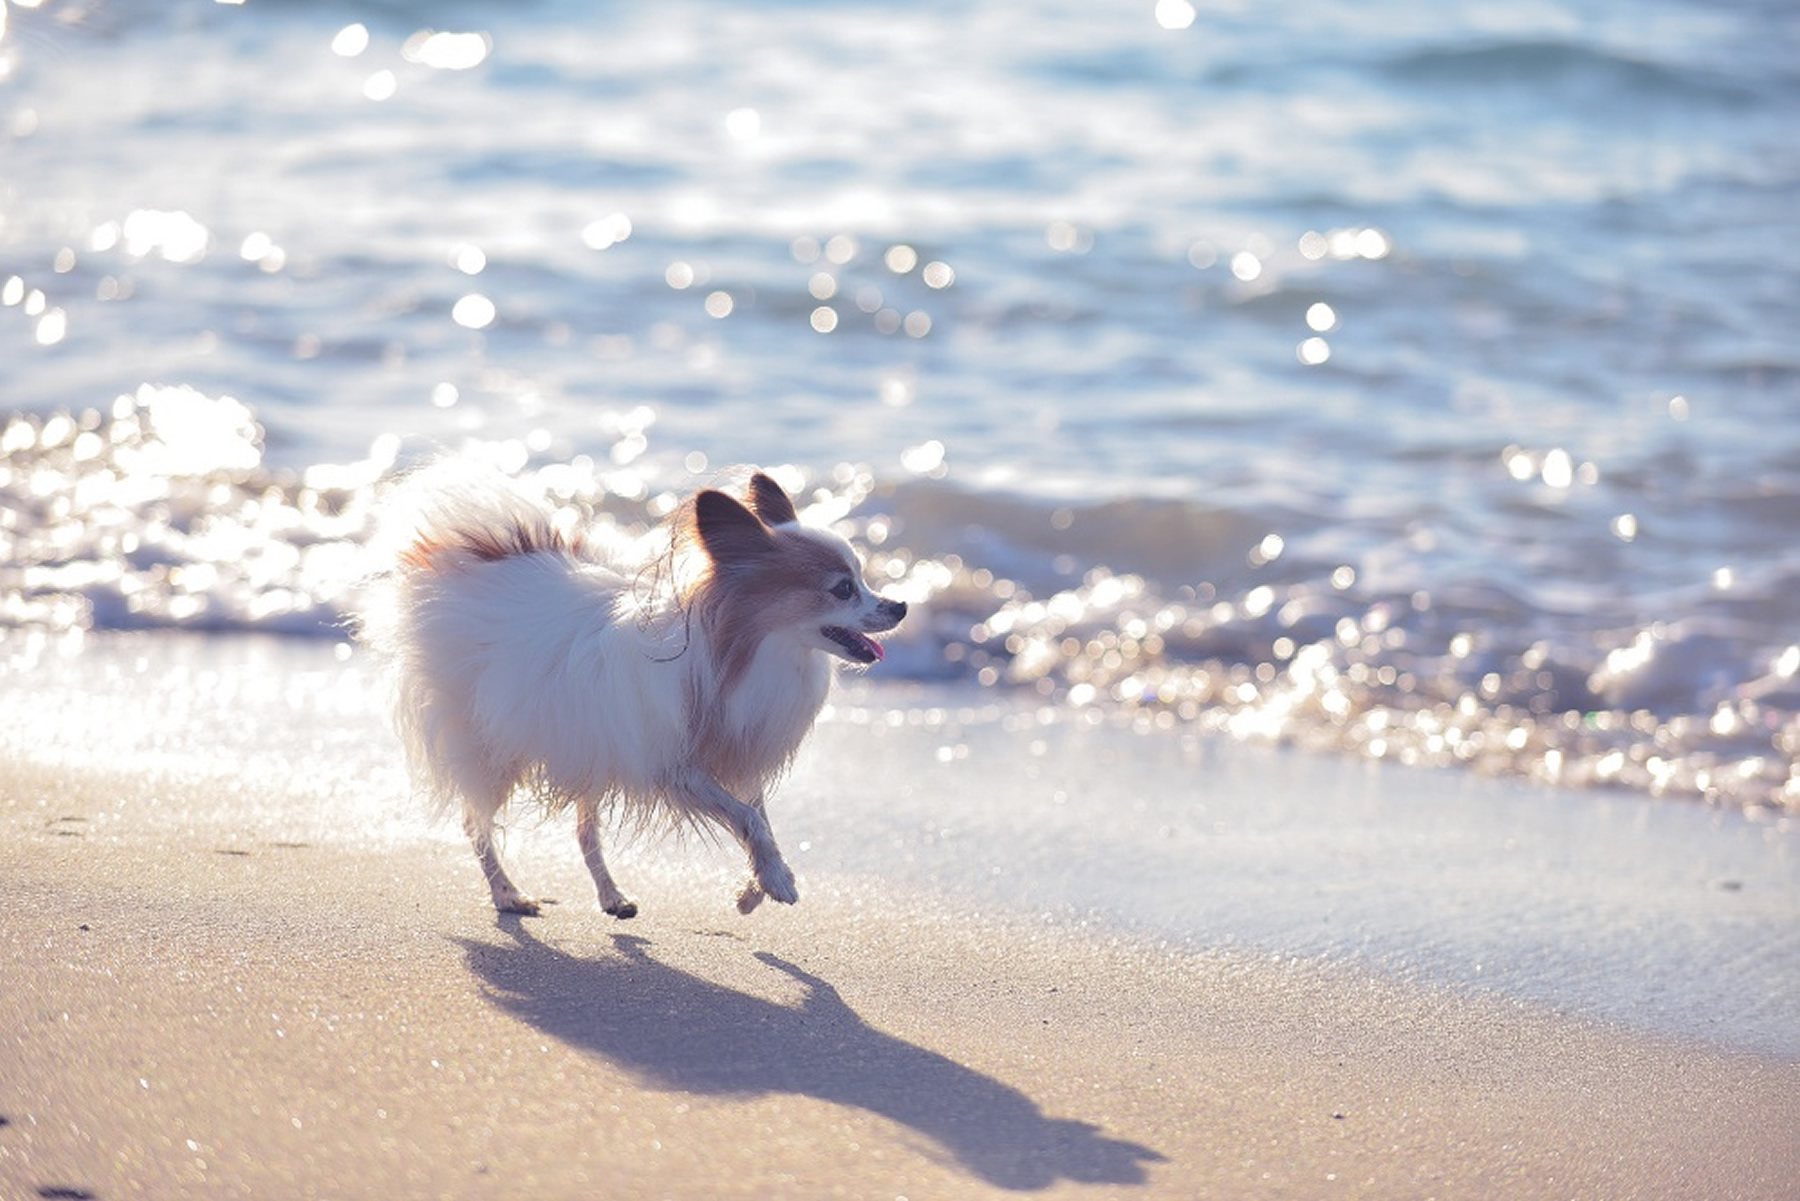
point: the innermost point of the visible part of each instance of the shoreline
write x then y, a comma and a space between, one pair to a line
1670, 918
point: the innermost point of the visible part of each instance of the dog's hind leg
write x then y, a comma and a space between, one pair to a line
703, 795
478, 821
587, 832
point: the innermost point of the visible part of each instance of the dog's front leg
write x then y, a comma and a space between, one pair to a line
705, 796
752, 893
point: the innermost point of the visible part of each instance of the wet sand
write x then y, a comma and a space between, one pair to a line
223, 975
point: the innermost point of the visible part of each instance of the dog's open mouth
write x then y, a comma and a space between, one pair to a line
857, 647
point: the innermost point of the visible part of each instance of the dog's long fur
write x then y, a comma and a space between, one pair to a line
524, 663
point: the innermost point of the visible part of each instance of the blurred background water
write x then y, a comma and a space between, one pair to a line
1417, 382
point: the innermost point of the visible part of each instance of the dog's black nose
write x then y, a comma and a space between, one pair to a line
894, 609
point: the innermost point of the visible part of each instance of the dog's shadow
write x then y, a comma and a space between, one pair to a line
676, 1030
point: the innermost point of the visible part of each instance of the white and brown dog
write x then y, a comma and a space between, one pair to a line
526, 665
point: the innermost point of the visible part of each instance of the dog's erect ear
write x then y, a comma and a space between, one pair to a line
729, 532
769, 502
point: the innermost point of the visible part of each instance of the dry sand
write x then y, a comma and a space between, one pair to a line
215, 983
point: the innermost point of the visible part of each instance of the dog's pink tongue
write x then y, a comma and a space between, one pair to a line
869, 646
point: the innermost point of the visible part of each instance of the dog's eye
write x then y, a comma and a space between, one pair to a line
844, 589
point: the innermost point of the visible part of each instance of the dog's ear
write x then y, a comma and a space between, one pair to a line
729, 532
769, 502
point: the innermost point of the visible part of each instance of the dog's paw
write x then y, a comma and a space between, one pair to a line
624, 910
750, 898
777, 879
517, 902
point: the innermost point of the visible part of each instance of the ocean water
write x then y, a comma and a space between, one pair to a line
1418, 383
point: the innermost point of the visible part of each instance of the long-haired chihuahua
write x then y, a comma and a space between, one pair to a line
526, 664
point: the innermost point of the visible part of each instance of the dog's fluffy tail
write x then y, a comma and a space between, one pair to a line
439, 520
454, 510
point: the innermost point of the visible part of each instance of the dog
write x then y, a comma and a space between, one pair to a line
527, 664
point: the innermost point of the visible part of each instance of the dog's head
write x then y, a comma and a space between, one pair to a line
771, 574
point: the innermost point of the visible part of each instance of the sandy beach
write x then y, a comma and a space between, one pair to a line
226, 975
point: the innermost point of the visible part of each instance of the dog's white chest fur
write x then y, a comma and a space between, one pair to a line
771, 710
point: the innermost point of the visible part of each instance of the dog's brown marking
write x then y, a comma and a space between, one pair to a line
490, 544
769, 502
